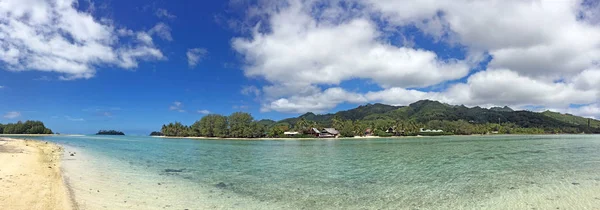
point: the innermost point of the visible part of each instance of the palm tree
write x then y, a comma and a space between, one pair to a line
301, 125
337, 122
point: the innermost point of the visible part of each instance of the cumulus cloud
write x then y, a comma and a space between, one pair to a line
53, 36
203, 112
177, 106
300, 50
12, 115
195, 55
541, 39
162, 30
163, 13
318, 102
540, 53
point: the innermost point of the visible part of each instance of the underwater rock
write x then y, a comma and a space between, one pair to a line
221, 185
174, 170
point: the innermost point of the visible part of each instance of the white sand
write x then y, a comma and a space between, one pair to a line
30, 176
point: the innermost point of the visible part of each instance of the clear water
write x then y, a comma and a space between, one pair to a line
474, 172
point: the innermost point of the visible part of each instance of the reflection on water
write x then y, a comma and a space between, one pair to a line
477, 172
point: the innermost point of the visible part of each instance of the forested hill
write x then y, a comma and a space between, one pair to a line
426, 111
386, 120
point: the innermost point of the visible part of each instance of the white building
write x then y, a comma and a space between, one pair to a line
431, 131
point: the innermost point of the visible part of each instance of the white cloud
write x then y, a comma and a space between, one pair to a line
1, 86
163, 13
69, 118
195, 55
542, 39
177, 106
251, 91
318, 102
53, 36
12, 115
301, 50
541, 53
494, 88
205, 112
162, 30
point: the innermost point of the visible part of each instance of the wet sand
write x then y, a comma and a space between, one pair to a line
30, 176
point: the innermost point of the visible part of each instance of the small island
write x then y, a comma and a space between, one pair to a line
156, 133
110, 132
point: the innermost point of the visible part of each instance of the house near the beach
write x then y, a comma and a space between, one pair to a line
369, 132
291, 133
329, 133
314, 132
430, 131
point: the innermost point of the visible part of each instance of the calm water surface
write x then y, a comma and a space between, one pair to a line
475, 172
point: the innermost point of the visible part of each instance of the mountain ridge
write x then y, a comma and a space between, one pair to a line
424, 111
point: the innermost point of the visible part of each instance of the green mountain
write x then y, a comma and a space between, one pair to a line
426, 111
572, 119
359, 113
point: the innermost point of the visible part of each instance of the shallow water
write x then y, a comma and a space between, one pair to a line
474, 172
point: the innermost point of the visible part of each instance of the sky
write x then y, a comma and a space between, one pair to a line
81, 66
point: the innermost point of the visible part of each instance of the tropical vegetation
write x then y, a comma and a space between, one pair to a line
27, 127
156, 133
110, 132
387, 120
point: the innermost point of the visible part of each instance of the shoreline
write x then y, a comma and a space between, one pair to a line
351, 138
31, 176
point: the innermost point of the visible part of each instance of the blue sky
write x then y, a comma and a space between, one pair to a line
135, 65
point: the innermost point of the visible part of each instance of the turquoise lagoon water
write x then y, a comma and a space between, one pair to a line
462, 172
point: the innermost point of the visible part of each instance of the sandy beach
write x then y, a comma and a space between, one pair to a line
30, 176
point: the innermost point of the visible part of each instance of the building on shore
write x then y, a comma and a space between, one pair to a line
314, 132
329, 133
290, 133
368, 132
430, 131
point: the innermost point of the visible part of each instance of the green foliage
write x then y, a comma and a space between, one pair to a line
278, 129
175, 129
401, 120
156, 133
382, 133
109, 132
572, 119
29, 127
212, 125
239, 125
455, 119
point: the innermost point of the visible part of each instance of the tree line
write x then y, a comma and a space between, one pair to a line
236, 125
110, 132
27, 127
243, 125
